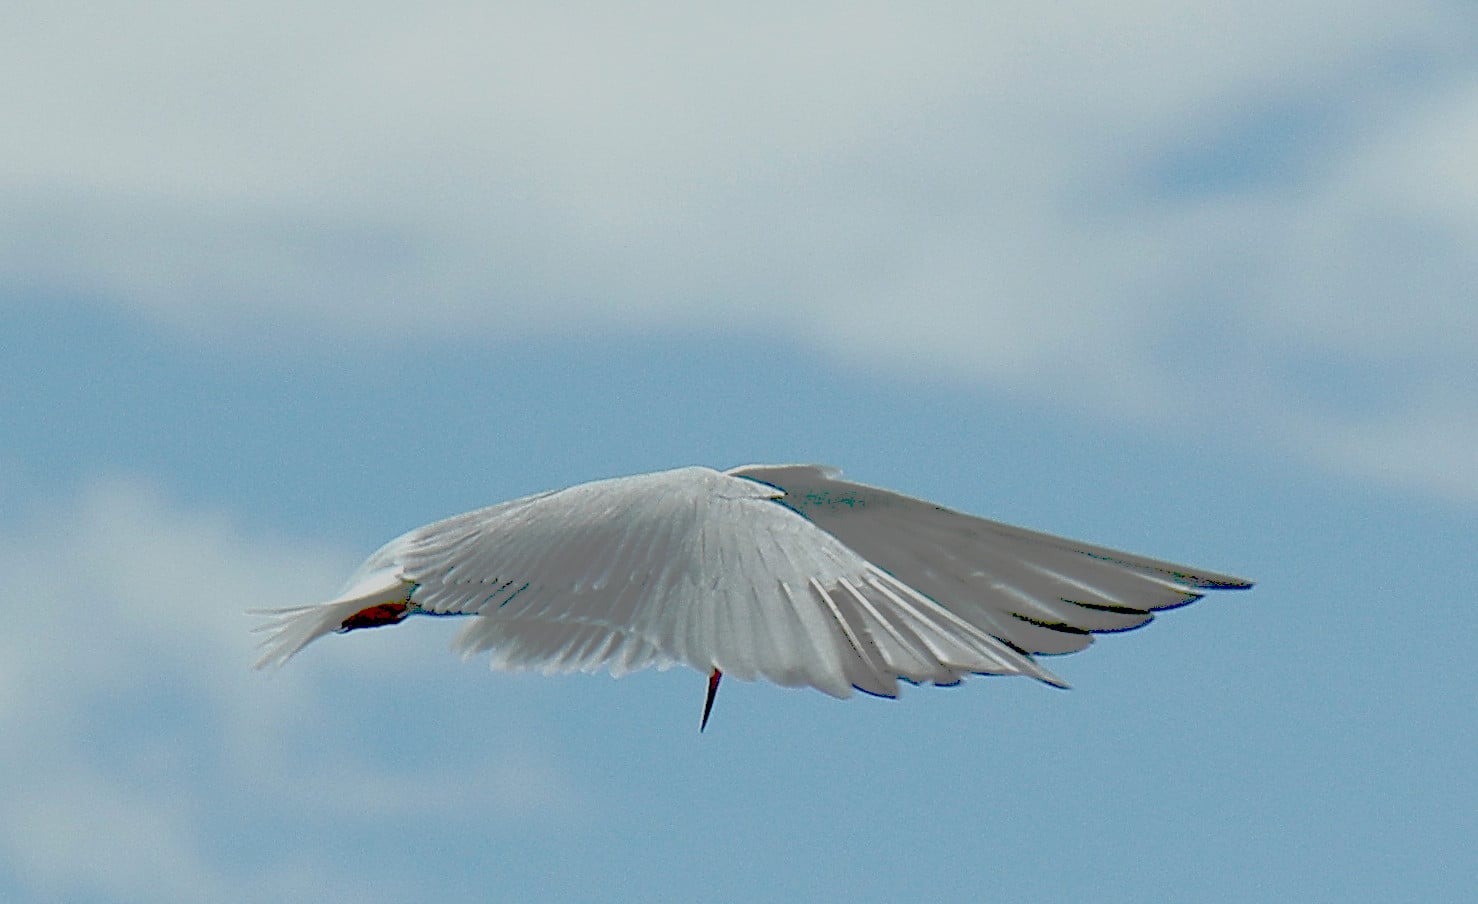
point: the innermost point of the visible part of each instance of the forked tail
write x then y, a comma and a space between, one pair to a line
382, 597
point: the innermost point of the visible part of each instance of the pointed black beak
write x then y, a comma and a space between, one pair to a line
713, 681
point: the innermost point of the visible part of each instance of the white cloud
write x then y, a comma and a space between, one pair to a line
988, 192
68, 831
138, 745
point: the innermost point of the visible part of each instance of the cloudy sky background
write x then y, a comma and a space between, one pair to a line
277, 284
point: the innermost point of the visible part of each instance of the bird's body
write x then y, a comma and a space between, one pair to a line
782, 572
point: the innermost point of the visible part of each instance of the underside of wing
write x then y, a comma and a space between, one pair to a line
1039, 592
692, 567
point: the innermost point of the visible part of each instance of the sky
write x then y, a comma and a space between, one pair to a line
278, 283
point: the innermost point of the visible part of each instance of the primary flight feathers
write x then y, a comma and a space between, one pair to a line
782, 572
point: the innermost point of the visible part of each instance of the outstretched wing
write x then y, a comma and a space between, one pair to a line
1042, 593
689, 566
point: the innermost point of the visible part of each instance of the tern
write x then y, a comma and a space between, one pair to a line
783, 572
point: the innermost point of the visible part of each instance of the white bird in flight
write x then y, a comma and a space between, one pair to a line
782, 572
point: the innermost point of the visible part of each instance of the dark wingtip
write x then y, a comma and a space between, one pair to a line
1226, 584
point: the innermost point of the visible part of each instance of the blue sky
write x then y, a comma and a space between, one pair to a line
278, 284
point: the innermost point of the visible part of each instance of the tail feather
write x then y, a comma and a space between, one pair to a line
289, 630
